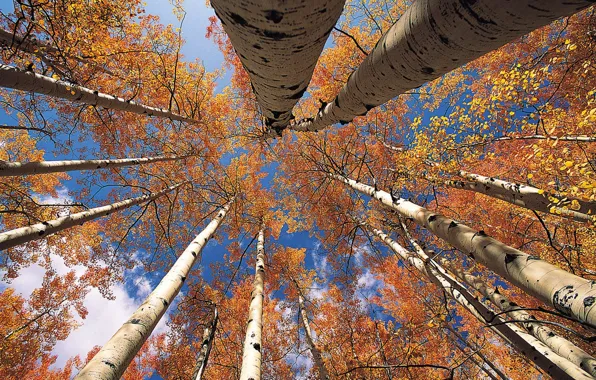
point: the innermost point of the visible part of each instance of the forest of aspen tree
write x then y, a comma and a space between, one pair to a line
356, 190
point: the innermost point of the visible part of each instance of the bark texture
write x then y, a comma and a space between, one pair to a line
251, 355
208, 338
316, 354
115, 356
278, 43
529, 346
432, 38
570, 294
558, 344
22, 235
526, 196
12, 77
8, 169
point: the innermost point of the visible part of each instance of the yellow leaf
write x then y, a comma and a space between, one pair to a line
530, 176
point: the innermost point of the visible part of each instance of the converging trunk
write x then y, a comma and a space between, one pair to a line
527, 196
251, 356
8, 169
208, 338
558, 344
278, 43
12, 77
568, 293
22, 235
115, 356
527, 345
316, 354
432, 38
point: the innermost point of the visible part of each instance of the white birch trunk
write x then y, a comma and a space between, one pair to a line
558, 344
115, 356
208, 338
251, 356
278, 43
530, 347
316, 354
22, 235
8, 169
526, 196
568, 293
12, 77
579, 138
432, 38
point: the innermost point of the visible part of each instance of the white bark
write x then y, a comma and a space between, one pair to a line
208, 338
22, 235
278, 43
29, 45
432, 38
115, 356
568, 293
558, 344
316, 354
251, 356
533, 349
526, 196
12, 77
42, 167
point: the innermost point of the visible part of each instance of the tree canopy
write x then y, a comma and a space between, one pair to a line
363, 189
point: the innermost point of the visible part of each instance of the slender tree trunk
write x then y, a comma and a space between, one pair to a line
278, 43
568, 293
22, 235
534, 350
558, 344
527, 196
251, 356
208, 338
479, 354
42, 167
115, 356
316, 354
12, 77
432, 38
382, 352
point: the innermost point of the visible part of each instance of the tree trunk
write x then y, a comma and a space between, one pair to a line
477, 352
568, 293
316, 354
8, 169
22, 235
432, 38
558, 344
533, 349
12, 77
251, 356
278, 43
527, 196
208, 338
115, 356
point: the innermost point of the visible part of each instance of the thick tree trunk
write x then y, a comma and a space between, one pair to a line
558, 344
22, 235
8, 169
533, 349
568, 293
527, 196
316, 354
208, 338
278, 43
12, 77
432, 38
251, 356
115, 356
